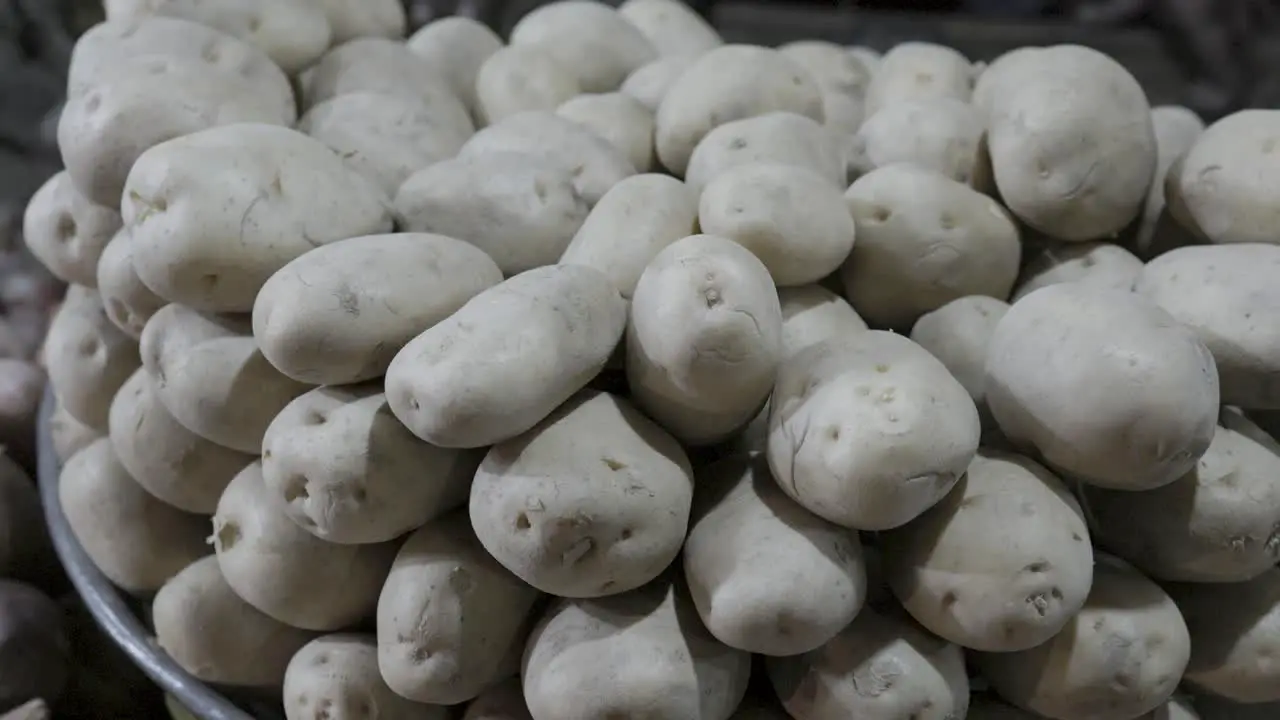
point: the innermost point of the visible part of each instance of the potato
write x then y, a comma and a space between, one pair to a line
35, 650
783, 138
286, 572
87, 357
520, 78
1106, 386
278, 191
1000, 564
169, 461
340, 313
835, 70
22, 386
749, 546
673, 28
217, 637
449, 615
339, 674
458, 46
704, 338
939, 133
592, 40
918, 70
1234, 635
649, 82
26, 552
209, 374
1222, 177
68, 435
729, 83
502, 701
1176, 129
595, 164
892, 430
384, 137
1072, 146
135, 540
869, 57
647, 646
811, 314
879, 667
1120, 657
364, 18
1096, 264
958, 334
129, 303
66, 232
592, 501
618, 118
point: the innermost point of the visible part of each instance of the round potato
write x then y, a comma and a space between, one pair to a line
364, 18
501, 701
592, 40
939, 133
87, 357
1177, 128
341, 312
135, 540
68, 435
869, 57
288, 573
704, 338
217, 637
671, 27
169, 461
339, 674
66, 232
458, 46
1096, 264
1222, 178
1105, 385
811, 314
1120, 657
650, 82
518, 78
958, 334
923, 241
916, 70
127, 301
782, 138
832, 66
618, 118
647, 646
892, 430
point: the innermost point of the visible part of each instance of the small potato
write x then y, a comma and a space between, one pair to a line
518, 78
339, 674
364, 18
923, 241
507, 358
646, 646
279, 192
1120, 657
592, 40
939, 133
595, 164
592, 501
341, 312
1177, 128
169, 461
458, 46
1096, 264
672, 27
650, 82
959, 334
135, 540
87, 357
385, 138
208, 373
129, 303
880, 667
1106, 386
729, 83
811, 314
68, 435
917, 70
632, 223
1234, 636
1223, 177
502, 701
783, 138
288, 573
217, 637
1000, 564
704, 338
449, 615
750, 546
66, 232
618, 118
834, 69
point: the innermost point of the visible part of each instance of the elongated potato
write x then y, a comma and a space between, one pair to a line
672, 27
518, 78
1096, 264
458, 46
1222, 178
169, 461
135, 540
939, 133
647, 646
209, 374
783, 138
339, 674
618, 118
591, 39
959, 334
69, 435
704, 338
87, 357
507, 358
869, 430
128, 303
364, 18
916, 70
341, 312
956, 570
650, 82
290, 194
811, 314
1106, 386
277, 567
449, 615
67, 232
1176, 128
217, 637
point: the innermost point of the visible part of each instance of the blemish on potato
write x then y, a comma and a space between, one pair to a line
613, 465
522, 522
225, 535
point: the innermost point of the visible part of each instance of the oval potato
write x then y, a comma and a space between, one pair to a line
67, 232
671, 27
127, 301
916, 70
938, 133
592, 40
650, 82
68, 435
1096, 264
364, 18
518, 78
458, 46
618, 118
87, 357
783, 138
1222, 178
811, 314
339, 674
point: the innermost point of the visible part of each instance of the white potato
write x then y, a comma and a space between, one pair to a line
1096, 264
672, 27
650, 82
959, 334
939, 133
811, 314
339, 674
67, 232
517, 78
87, 357
68, 435
1176, 128
364, 18
592, 40
783, 138
618, 118
1223, 178
501, 701
127, 301
915, 70
832, 66
459, 46
869, 57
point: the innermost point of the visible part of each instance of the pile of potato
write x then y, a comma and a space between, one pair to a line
557, 378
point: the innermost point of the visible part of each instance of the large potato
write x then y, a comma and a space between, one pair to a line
339, 674
672, 27
1096, 264
364, 18
276, 191
458, 46
87, 357
923, 241
449, 616
591, 39
1222, 180
288, 573
939, 133
1106, 386
783, 138
518, 78
650, 82
917, 70
209, 374
959, 334
811, 314
127, 301
646, 646
593, 501
341, 312
1177, 128
1121, 656
618, 118
507, 358
704, 338
67, 232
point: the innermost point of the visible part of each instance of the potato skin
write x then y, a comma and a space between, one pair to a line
591, 39
939, 133
67, 232
671, 27
1177, 128
69, 435
458, 46
958, 334
650, 82
780, 138
87, 357
339, 673
618, 118
1096, 264
811, 314
1222, 179
127, 301
915, 70
518, 78
368, 18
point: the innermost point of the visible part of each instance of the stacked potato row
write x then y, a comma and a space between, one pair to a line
556, 378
